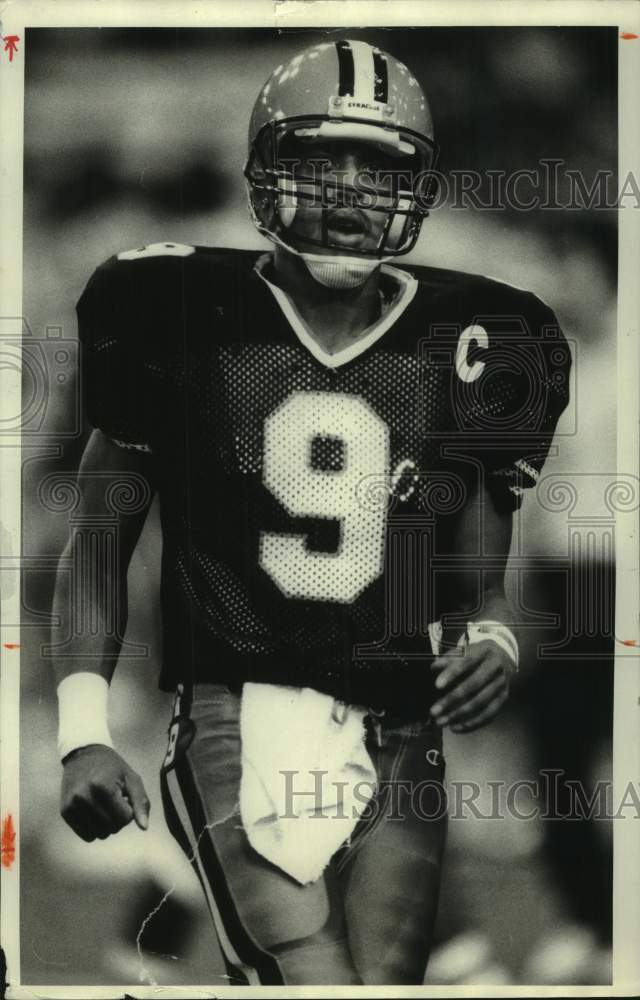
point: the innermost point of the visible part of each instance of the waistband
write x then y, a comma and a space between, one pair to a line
387, 719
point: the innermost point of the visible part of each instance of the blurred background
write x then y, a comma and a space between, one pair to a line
137, 136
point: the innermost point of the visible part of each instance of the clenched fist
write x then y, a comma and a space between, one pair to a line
101, 793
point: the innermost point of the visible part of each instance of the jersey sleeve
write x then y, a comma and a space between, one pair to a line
113, 375
521, 399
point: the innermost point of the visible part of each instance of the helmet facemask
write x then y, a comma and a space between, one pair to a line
398, 193
366, 105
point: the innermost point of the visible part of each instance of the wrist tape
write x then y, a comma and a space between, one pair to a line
82, 712
496, 632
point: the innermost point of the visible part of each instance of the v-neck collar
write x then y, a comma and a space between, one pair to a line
408, 287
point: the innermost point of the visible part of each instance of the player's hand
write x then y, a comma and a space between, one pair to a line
101, 793
472, 684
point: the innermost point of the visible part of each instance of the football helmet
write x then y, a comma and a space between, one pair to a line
333, 91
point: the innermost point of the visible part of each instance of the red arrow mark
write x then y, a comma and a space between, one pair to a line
11, 45
8, 849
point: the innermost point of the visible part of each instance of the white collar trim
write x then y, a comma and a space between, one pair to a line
408, 288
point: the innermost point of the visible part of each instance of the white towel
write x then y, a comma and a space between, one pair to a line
296, 818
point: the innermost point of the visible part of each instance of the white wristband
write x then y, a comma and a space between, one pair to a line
498, 633
82, 712
434, 630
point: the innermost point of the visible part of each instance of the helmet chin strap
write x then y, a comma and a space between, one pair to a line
333, 271
340, 272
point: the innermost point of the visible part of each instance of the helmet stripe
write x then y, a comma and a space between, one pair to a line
346, 69
363, 62
381, 85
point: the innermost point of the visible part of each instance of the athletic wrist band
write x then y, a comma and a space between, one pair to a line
498, 633
82, 712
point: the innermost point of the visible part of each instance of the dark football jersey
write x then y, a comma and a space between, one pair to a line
309, 501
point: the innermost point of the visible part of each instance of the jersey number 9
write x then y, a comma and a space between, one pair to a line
305, 491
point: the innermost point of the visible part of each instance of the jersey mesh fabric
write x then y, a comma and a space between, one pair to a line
308, 511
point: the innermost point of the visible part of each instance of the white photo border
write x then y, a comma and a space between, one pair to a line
15, 16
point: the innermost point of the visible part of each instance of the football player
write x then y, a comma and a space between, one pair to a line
339, 446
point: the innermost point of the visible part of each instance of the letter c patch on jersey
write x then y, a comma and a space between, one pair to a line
467, 372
